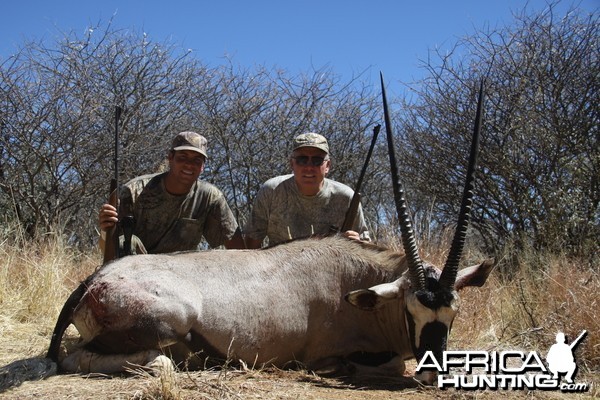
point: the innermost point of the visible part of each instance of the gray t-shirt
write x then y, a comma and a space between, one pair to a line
280, 212
166, 223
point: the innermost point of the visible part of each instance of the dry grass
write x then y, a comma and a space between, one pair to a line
529, 310
35, 279
524, 312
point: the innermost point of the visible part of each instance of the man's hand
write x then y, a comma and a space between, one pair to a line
108, 217
351, 235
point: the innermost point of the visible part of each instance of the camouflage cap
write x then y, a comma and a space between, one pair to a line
311, 140
190, 141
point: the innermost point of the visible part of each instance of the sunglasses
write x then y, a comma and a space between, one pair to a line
315, 161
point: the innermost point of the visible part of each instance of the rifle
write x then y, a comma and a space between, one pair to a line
355, 202
111, 246
576, 341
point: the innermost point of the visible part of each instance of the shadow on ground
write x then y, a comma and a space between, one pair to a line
30, 369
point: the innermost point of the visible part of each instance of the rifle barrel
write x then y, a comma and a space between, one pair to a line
354, 203
111, 245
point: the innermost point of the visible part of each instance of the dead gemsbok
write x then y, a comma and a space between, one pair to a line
314, 301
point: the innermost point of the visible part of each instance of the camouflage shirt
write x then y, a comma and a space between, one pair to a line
167, 223
280, 212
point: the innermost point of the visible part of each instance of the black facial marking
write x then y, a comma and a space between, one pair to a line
434, 337
434, 297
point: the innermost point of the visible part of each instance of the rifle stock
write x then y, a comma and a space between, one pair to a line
351, 213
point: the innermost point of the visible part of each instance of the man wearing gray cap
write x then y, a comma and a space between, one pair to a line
305, 202
174, 210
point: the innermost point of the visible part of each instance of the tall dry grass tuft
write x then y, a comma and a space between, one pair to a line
36, 276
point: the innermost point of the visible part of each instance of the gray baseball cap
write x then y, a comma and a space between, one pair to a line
311, 139
190, 141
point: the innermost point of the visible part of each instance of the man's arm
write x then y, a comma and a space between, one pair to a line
358, 230
258, 222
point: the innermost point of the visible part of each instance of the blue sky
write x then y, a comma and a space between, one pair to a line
348, 36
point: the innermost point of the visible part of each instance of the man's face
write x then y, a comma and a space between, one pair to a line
308, 176
185, 166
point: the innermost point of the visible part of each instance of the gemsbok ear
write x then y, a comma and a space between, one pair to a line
374, 297
474, 276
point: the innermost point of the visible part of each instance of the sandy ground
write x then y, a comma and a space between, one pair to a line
239, 384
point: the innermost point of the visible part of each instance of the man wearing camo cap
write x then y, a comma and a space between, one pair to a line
305, 202
174, 210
